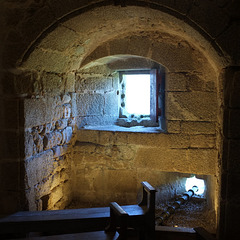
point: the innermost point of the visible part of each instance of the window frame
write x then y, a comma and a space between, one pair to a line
157, 95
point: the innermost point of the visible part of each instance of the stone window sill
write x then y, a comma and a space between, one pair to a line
115, 128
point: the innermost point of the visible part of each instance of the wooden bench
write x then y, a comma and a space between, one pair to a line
55, 221
67, 221
140, 217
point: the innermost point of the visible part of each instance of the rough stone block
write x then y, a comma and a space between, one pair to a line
38, 142
89, 104
191, 127
53, 84
175, 54
178, 141
202, 141
105, 137
84, 147
55, 180
202, 161
176, 82
55, 196
160, 140
99, 83
52, 139
67, 135
192, 106
34, 112
60, 150
69, 82
120, 181
88, 136
173, 126
170, 160
39, 167
111, 106
60, 39
61, 124
130, 45
99, 52
48, 127
66, 111
28, 143
47, 60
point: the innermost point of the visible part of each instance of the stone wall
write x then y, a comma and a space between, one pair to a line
108, 161
48, 143
96, 97
71, 30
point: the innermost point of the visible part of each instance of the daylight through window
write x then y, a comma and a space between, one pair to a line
137, 95
141, 100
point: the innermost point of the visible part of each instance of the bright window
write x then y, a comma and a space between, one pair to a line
137, 94
141, 98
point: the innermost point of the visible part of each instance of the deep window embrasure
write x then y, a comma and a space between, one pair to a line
141, 98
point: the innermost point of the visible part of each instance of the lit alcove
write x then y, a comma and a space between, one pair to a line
103, 160
133, 94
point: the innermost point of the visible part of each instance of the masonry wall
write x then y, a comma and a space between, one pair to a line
112, 164
213, 26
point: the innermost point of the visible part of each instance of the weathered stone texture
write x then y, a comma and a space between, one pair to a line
111, 106
90, 104
174, 126
203, 161
43, 162
191, 107
89, 83
191, 127
53, 84
46, 60
52, 139
59, 40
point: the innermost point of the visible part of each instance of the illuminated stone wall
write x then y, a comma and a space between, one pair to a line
44, 44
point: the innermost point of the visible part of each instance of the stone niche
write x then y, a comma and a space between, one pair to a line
109, 162
75, 155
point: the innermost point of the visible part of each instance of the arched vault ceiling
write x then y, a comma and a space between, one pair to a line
114, 30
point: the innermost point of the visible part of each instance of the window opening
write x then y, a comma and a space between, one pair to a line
137, 96
141, 98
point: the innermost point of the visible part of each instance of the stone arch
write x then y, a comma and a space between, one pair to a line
75, 38
155, 35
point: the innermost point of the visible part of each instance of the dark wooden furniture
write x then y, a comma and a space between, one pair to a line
55, 221
140, 217
203, 234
